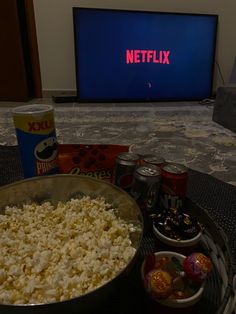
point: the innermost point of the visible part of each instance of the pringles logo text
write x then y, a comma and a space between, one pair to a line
147, 56
40, 125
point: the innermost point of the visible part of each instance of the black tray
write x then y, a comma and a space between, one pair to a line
131, 297
214, 202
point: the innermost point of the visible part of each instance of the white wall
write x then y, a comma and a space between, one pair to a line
54, 25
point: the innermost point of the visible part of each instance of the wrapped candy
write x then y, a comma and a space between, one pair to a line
159, 283
172, 277
176, 224
197, 266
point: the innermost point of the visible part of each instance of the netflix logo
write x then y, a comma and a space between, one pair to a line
147, 56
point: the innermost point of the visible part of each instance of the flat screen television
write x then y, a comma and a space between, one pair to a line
125, 56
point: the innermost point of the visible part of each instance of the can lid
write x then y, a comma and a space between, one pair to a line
128, 156
148, 171
175, 168
32, 109
153, 159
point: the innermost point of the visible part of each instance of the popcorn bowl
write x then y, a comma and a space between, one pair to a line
60, 189
169, 302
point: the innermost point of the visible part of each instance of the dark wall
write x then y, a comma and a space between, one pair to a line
16, 79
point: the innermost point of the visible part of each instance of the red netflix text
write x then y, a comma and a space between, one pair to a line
147, 56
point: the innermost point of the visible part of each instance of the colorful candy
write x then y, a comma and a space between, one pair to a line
176, 224
159, 283
174, 278
197, 266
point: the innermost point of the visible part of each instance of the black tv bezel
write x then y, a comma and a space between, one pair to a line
76, 51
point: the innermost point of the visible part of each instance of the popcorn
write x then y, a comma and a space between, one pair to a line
53, 253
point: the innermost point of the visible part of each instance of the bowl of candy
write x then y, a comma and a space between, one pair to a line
175, 280
177, 228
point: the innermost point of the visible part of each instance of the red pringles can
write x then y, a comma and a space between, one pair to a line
126, 163
174, 178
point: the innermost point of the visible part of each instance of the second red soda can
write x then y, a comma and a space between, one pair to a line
174, 178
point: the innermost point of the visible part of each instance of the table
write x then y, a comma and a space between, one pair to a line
217, 198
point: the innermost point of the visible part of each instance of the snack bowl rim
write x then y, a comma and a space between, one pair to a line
175, 303
176, 243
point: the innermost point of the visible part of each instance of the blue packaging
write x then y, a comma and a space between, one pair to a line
36, 137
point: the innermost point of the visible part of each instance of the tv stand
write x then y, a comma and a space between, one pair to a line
65, 99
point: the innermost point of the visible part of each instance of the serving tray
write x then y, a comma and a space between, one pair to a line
214, 202
218, 296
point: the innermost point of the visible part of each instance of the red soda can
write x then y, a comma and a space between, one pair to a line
152, 159
174, 178
126, 163
145, 191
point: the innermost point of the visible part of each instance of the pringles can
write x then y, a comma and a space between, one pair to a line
174, 179
36, 137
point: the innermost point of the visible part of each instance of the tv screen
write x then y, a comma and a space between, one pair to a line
126, 55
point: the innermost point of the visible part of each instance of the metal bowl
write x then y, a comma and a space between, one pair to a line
62, 188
